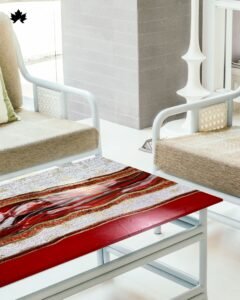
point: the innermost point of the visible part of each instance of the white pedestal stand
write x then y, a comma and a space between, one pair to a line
193, 90
194, 57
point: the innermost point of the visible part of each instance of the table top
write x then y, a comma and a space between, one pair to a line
62, 214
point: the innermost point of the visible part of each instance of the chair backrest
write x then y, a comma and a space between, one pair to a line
8, 61
213, 118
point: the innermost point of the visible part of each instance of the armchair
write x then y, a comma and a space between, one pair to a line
40, 140
207, 159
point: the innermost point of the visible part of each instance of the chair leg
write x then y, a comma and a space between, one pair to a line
99, 153
158, 230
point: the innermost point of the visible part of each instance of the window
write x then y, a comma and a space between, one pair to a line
40, 39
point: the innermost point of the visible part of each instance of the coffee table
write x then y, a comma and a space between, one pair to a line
61, 214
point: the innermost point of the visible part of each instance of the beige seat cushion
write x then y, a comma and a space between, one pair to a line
39, 139
211, 159
8, 61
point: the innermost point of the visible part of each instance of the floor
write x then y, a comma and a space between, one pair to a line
121, 144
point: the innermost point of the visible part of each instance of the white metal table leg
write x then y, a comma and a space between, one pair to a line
103, 257
106, 256
100, 257
203, 252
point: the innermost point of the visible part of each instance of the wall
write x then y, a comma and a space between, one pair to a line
164, 34
100, 53
128, 53
236, 35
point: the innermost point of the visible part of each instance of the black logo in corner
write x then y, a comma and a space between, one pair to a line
18, 15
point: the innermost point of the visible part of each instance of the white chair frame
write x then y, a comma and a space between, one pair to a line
64, 90
194, 109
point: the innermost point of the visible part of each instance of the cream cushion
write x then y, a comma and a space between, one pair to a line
8, 61
38, 139
211, 159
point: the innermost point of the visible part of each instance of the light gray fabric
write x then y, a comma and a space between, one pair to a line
211, 159
40, 139
8, 62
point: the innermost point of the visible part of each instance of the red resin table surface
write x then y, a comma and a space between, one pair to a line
42, 229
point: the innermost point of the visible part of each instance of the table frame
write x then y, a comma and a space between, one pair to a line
195, 231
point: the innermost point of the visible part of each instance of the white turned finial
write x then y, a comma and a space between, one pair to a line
194, 58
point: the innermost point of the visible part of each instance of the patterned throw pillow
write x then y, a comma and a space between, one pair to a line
7, 113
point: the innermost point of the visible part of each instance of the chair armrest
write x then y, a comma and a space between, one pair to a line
194, 107
64, 89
